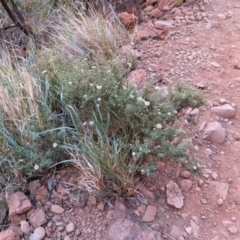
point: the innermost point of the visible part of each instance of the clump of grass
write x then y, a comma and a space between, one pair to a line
76, 106
92, 36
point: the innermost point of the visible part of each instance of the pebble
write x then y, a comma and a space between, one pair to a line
233, 230
208, 152
38, 234
220, 202
70, 227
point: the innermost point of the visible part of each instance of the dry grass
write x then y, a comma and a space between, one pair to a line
20, 91
94, 35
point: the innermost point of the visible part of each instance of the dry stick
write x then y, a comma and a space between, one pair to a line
22, 26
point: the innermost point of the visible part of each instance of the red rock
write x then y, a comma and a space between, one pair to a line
57, 209
9, 234
37, 218
16, 219
18, 203
214, 133
41, 194
137, 77
174, 195
225, 111
149, 214
186, 185
119, 210
129, 20
25, 227
155, 13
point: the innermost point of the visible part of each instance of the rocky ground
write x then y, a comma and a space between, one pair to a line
199, 44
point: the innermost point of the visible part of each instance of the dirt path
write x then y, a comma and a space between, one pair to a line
204, 53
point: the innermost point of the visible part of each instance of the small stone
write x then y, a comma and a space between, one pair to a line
233, 219
188, 230
174, 195
207, 152
101, 206
149, 214
120, 211
186, 185
220, 202
214, 175
70, 227
129, 20
25, 227
204, 201
175, 232
18, 203
92, 200
57, 209
222, 16
38, 234
37, 218
163, 25
195, 227
137, 77
9, 234
225, 111
67, 238
233, 230
214, 133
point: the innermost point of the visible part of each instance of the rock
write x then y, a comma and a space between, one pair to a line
9, 234
101, 206
149, 214
16, 219
186, 185
214, 176
18, 203
185, 174
38, 234
225, 111
37, 218
207, 152
57, 209
175, 232
195, 228
119, 210
70, 227
155, 13
220, 202
124, 229
25, 227
221, 189
222, 16
174, 195
41, 194
129, 20
214, 133
163, 25
233, 230
137, 77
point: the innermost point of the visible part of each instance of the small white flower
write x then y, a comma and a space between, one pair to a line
85, 96
84, 123
195, 167
97, 105
44, 71
91, 84
54, 145
133, 153
140, 99
142, 171
99, 99
169, 113
159, 126
131, 96
99, 87
147, 103
70, 83
91, 123
157, 87
36, 167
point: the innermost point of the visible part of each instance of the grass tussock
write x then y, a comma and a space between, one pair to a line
70, 103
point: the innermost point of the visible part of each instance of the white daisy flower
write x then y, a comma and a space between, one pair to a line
36, 167
54, 145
